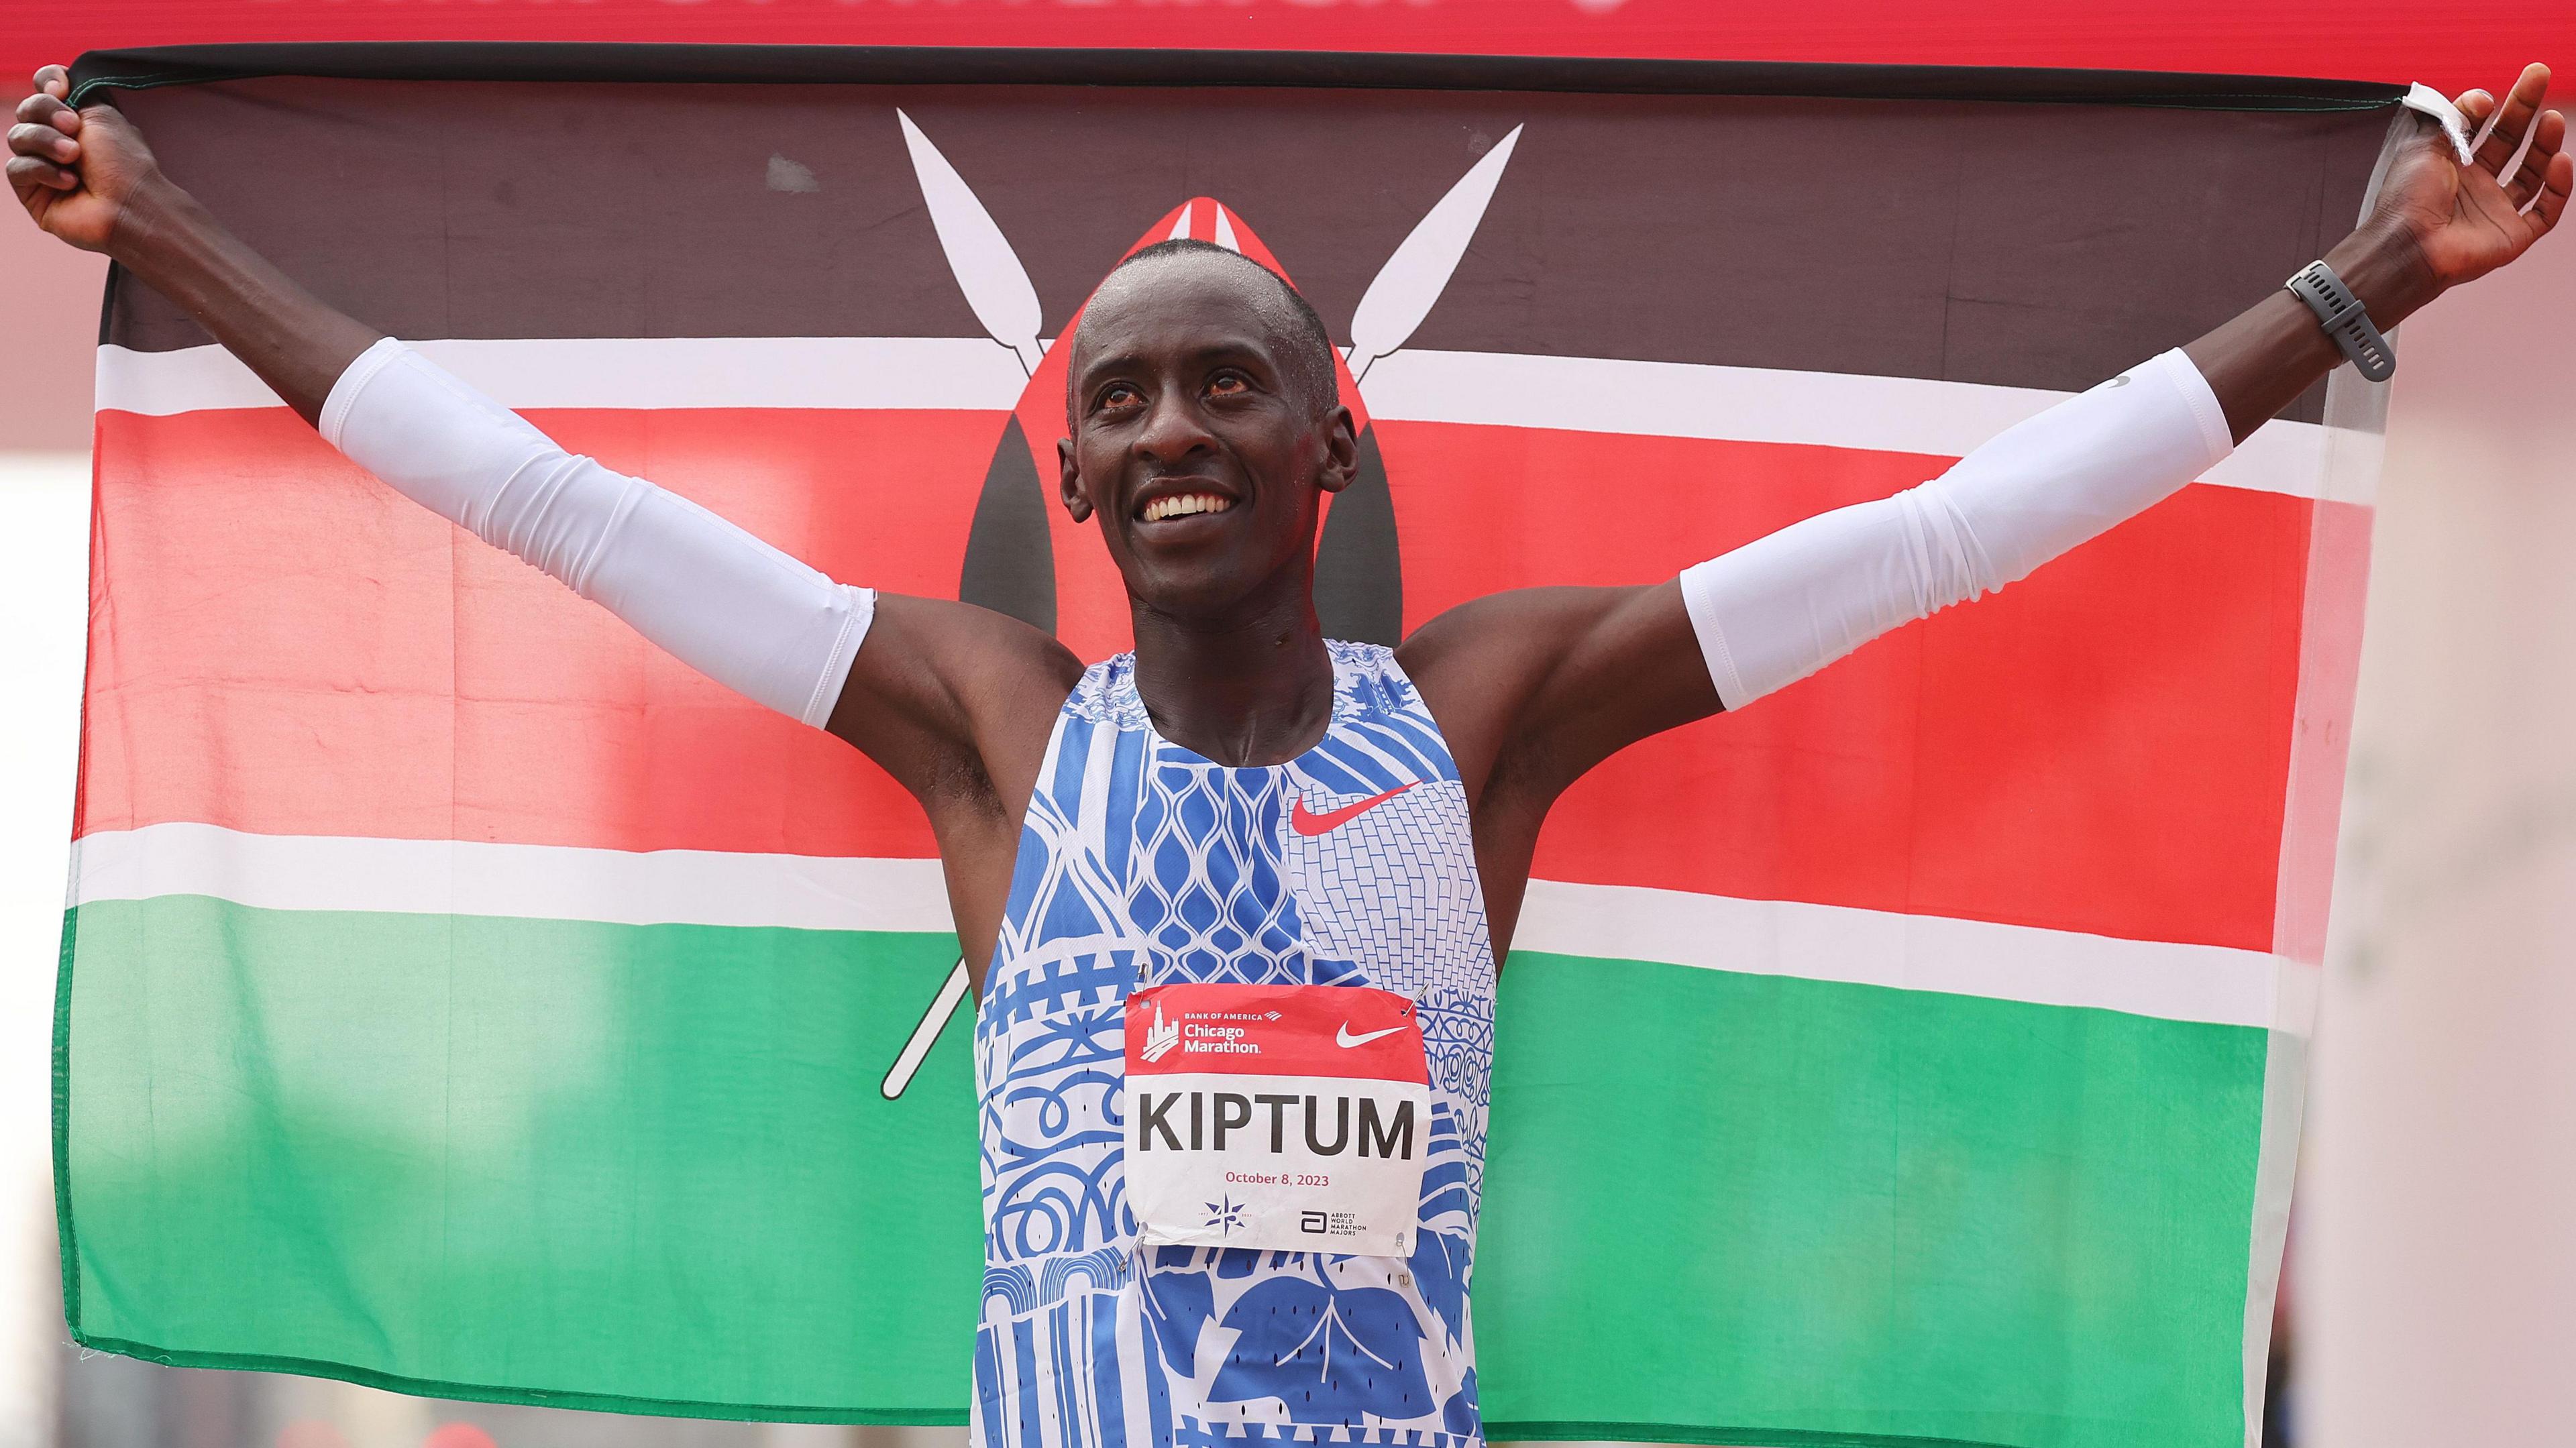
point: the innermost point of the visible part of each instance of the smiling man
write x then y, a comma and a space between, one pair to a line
1235, 903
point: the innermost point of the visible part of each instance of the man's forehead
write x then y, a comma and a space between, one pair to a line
1191, 302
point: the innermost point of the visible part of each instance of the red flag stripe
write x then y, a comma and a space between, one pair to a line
289, 647
294, 650
2102, 747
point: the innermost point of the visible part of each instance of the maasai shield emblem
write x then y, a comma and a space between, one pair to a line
1026, 558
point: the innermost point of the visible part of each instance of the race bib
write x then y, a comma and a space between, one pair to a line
1284, 1118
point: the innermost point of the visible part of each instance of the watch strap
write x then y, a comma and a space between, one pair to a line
2345, 319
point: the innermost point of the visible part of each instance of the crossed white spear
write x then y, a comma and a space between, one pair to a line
1004, 301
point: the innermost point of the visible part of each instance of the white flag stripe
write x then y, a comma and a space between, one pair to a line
1755, 404
544, 882
1758, 937
969, 373
1917, 952
1575, 394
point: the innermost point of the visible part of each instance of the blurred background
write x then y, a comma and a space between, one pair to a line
2430, 1295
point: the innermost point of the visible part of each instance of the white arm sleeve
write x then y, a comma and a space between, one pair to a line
1781, 607
720, 600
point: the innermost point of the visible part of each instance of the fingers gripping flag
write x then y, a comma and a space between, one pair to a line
459, 996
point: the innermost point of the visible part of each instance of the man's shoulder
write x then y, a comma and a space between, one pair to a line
1474, 663
1506, 633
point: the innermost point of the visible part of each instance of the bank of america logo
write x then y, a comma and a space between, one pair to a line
1160, 1038
1225, 1213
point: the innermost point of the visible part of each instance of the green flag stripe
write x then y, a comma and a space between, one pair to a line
634, 1163
1786, 1202
651, 1167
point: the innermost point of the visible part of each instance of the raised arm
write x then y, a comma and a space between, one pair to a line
1535, 687
935, 694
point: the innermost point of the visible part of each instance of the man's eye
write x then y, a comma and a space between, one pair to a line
1227, 384
1120, 395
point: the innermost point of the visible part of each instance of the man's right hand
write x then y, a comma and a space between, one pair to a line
76, 172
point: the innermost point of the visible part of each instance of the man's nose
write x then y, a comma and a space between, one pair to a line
1173, 429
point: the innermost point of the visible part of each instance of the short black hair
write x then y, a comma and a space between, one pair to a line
1310, 359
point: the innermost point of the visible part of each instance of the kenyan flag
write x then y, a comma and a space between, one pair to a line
460, 996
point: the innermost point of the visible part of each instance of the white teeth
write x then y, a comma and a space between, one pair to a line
1187, 503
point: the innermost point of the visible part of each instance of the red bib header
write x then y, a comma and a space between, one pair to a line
1274, 1030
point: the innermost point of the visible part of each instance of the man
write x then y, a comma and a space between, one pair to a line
1293, 865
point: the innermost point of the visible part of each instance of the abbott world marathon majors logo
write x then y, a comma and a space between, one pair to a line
1279, 1117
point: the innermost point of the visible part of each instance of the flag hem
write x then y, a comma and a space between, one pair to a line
527, 1397
65, 1240
2335, 585
147, 67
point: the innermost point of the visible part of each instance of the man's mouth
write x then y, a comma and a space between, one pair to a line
1181, 505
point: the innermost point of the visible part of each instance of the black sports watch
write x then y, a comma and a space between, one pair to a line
2345, 319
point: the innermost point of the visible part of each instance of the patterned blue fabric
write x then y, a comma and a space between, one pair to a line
1143, 862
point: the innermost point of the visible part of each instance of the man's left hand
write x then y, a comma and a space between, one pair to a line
2462, 222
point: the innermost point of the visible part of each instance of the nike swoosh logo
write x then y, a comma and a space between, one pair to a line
1306, 822
1343, 1037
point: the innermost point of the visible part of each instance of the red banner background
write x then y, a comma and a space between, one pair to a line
2453, 46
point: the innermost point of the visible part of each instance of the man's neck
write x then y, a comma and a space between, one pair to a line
1253, 688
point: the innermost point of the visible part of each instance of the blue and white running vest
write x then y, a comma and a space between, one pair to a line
1142, 862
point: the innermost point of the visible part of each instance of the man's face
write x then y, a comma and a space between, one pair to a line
1193, 441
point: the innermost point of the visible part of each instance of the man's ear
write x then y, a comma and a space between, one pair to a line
1341, 451
1077, 499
